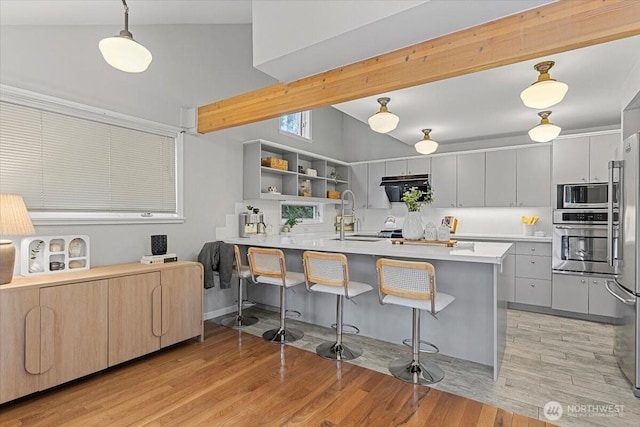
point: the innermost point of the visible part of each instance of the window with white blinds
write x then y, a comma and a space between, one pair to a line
65, 164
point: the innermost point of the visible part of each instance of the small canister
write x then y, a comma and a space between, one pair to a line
444, 233
431, 232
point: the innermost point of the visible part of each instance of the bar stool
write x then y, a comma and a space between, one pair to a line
329, 273
268, 266
412, 284
243, 271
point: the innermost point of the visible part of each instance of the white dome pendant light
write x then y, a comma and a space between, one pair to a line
545, 92
123, 52
383, 121
545, 131
426, 145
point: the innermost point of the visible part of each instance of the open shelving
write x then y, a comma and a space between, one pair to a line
331, 174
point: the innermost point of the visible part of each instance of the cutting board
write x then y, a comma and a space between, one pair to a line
449, 244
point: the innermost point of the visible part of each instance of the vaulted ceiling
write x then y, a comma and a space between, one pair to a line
472, 106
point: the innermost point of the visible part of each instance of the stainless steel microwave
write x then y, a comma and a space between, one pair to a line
583, 196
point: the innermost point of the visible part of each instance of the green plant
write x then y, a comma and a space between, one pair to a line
412, 197
292, 221
36, 250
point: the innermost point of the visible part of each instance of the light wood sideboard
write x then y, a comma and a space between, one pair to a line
55, 328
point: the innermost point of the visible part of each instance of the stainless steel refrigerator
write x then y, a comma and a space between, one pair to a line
626, 286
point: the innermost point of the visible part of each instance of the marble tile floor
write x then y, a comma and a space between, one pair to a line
547, 358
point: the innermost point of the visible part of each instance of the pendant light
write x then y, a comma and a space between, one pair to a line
546, 91
545, 131
123, 52
383, 121
426, 145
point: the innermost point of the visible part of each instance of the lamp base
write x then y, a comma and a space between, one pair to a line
7, 261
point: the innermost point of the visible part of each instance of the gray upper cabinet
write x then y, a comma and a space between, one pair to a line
395, 167
359, 181
470, 180
443, 181
533, 180
500, 178
602, 149
584, 158
377, 198
571, 160
419, 166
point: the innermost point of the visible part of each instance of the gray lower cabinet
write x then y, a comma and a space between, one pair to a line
601, 302
533, 291
570, 293
533, 274
581, 294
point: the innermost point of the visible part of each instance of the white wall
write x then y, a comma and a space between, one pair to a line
361, 143
193, 65
275, 21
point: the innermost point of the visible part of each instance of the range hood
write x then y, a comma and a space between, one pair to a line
395, 186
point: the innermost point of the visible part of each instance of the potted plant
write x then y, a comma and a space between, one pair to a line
413, 199
290, 223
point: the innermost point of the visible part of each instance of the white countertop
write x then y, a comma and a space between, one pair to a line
483, 252
500, 237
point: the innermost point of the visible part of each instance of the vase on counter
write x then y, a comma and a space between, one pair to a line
412, 228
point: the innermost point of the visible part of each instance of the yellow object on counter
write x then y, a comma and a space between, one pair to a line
529, 220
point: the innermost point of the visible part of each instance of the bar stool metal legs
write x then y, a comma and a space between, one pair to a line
414, 370
282, 334
240, 320
338, 350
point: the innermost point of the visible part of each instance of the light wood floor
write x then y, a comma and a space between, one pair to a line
235, 378
547, 358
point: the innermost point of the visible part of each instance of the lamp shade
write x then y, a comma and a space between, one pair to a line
426, 145
125, 54
14, 218
545, 92
383, 121
545, 131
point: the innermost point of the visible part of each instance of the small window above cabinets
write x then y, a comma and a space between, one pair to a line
277, 172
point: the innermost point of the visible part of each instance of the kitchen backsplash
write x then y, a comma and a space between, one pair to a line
470, 220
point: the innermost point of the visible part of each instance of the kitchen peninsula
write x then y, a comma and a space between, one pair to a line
472, 328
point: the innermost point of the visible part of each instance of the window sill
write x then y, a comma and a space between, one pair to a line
47, 219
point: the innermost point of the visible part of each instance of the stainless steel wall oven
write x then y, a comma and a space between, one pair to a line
581, 243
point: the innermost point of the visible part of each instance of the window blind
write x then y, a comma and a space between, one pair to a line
61, 163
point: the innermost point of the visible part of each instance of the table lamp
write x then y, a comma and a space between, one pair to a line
14, 221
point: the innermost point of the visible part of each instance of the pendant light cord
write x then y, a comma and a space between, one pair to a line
126, 15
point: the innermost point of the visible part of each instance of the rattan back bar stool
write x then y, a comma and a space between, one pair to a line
244, 272
413, 284
268, 266
329, 273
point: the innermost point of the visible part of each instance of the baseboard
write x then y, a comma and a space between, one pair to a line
562, 313
219, 312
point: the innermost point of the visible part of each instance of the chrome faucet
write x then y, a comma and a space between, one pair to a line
353, 209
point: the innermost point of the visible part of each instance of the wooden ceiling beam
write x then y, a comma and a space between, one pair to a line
546, 30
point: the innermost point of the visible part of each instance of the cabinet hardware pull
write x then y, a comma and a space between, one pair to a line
533, 285
582, 281
533, 262
533, 249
